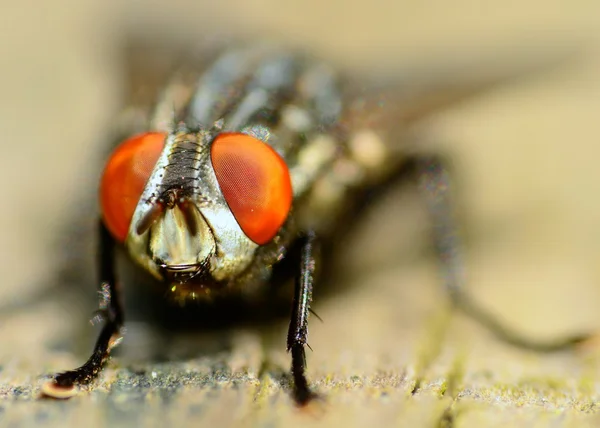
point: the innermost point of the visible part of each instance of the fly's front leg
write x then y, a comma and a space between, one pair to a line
298, 330
111, 311
435, 184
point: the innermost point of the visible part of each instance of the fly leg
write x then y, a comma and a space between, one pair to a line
111, 311
435, 184
298, 330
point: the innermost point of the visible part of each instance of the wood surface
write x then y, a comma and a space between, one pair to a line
389, 351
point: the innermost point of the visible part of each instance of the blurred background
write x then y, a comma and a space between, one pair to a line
526, 155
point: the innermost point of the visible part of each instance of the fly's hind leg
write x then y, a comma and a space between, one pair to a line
65, 384
435, 185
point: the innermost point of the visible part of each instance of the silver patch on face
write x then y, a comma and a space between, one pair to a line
176, 244
202, 237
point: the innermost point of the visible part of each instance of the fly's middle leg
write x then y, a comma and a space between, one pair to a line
298, 330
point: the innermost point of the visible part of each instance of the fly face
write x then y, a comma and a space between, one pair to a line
211, 199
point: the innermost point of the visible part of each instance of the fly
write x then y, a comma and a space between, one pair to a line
237, 161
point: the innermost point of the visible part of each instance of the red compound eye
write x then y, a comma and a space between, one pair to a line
125, 176
255, 182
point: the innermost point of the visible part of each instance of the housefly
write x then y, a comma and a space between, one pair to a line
238, 156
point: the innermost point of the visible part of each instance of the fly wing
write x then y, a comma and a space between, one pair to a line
393, 103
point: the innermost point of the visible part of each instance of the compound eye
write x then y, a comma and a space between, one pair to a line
255, 182
125, 176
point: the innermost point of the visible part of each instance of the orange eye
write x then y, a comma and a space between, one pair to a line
124, 178
255, 182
